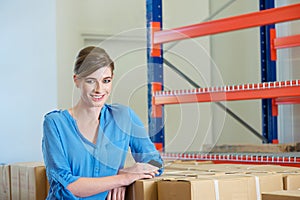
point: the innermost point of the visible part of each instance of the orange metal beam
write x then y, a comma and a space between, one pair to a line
274, 108
287, 42
272, 39
283, 100
156, 109
230, 93
155, 48
254, 19
287, 100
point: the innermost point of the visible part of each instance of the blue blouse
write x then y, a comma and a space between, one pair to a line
68, 155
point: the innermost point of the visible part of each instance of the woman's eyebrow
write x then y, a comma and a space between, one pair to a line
96, 78
89, 78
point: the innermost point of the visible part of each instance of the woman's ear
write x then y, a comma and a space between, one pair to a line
75, 79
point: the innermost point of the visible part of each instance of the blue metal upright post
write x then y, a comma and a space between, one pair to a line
155, 73
268, 73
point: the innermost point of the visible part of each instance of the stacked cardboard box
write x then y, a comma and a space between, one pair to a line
282, 195
5, 182
143, 190
225, 187
215, 186
291, 181
148, 190
192, 180
181, 180
28, 181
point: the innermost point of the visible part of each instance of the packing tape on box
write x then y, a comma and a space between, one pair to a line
217, 192
257, 185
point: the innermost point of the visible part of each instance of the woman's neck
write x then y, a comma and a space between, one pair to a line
80, 112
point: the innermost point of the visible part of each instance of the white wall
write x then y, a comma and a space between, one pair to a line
237, 57
188, 126
28, 76
40, 41
121, 31
68, 42
76, 18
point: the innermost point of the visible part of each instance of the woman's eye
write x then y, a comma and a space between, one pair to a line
106, 81
90, 81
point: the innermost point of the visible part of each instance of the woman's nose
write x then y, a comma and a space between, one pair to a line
97, 86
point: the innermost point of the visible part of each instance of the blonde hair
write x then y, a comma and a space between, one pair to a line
90, 59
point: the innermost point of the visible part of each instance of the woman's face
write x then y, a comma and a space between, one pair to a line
96, 87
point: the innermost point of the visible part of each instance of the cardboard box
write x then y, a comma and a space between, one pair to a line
190, 173
282, 195
267, 182
28, 181
187, 165
291, 181
142, 190
192, 162
188, 189
273, 168
5, 193
218, 187
210, 181
146, 189
236, 187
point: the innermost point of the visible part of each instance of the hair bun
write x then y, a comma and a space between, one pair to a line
90, 59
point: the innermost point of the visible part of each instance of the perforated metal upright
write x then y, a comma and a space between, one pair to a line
155, 73
268, 74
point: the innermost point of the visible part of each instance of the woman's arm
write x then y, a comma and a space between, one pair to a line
84, 187
142, 148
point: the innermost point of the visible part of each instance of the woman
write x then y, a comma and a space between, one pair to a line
85, 147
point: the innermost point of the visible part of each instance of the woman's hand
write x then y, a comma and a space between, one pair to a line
131, 174
138, 171
144, 168
116, 194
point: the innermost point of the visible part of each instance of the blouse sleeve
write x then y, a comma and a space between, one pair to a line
57, 167
142, 148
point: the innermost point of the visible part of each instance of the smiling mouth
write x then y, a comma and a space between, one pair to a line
97, 97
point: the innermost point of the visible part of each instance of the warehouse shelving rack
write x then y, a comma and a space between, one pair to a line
272, 92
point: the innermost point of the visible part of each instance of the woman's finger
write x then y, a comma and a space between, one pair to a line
114, 194
123, 192
119, 193
108, 195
